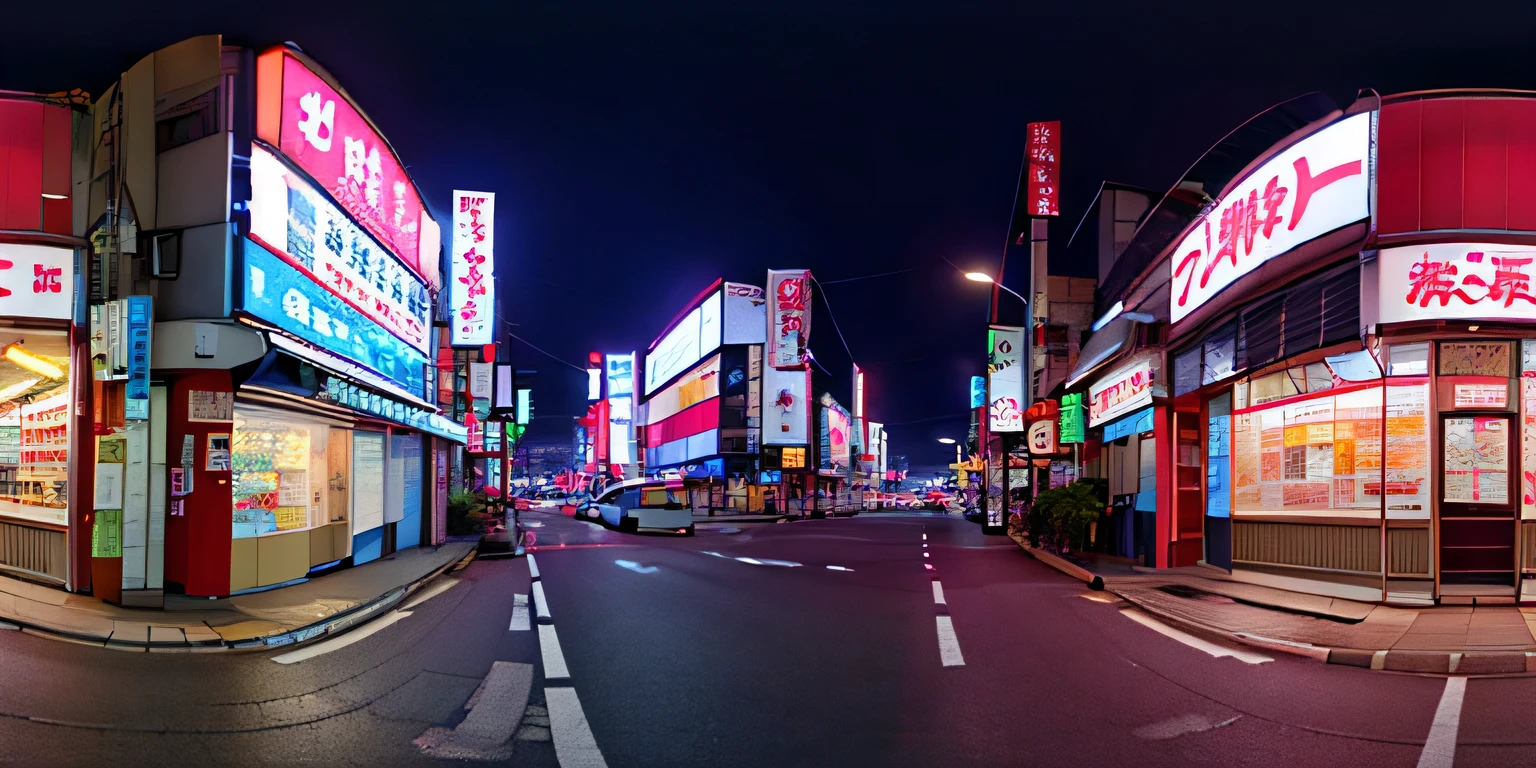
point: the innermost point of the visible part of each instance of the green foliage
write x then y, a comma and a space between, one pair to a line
467, 513
1059, 517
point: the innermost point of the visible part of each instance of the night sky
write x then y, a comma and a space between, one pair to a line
639, 150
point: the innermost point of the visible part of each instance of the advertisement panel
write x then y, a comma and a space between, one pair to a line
1124, 391
1044, 150
1005, 378
694, 387
836, 426
1313, 187
746, 314
1456, 281
786, 412
621, 377
472, 274
789, 316
293, 220
695, 336
978, 391
37, 281
1072, 426
325, 135
278, 294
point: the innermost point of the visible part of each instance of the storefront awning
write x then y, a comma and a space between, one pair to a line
1133, 424
1103, 346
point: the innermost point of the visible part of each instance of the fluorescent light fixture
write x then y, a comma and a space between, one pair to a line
31, 362
1473, 327
47, 196
1113, 313
979, 277
947, 440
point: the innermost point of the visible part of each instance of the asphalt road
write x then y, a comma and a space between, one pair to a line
819, 643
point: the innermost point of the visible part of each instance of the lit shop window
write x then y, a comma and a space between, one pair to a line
278, 470
794, 458
34, 426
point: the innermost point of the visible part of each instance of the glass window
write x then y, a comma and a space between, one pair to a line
1408, 359
273, 461
1317, 455
1275, 386
34, 425
1476, 450
1218, 467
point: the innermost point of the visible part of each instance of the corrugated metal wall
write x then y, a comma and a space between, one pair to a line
1408, 552
1335, 547
33, 549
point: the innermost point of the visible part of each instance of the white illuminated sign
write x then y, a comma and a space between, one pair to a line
695, 336
37, 281
1119, 393
472, 280
1456, 281
1314, 187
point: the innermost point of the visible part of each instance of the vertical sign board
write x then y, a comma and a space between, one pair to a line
1044, 151
786, 411
1005, 378
1072, 426
472, 278
789, 316
754, 397
978, 391
621, 388
140, 316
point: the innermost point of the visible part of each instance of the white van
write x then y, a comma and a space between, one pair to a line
641, 504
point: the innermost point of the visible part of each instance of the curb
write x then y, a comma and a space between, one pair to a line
334, 625
1093, 580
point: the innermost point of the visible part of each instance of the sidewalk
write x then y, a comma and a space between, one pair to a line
1494, 639
283, 616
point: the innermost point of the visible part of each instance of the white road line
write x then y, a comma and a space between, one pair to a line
938, 593
574, 745
533, 568
336, 643
554, 659
1192, 641
949, 645
520, 621
539, 605
440, 587
1440, 747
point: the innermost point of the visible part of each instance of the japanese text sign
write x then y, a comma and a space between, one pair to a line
1005, 378
472, 280
1044, 150
37, 281
1119, 393
1072, 418
300, 225
325, 135
1042, 436
1313, 187
277, 293
1457, 281
789, 316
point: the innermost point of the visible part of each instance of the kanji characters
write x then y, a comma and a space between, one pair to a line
318, 121
1308, 185
1431, 280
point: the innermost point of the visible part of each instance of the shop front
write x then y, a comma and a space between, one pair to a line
1123, 410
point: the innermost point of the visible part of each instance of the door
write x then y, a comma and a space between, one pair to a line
1218, 481
1477, 501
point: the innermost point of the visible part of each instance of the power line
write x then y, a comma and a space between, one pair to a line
831, 317
866, 277
546, 354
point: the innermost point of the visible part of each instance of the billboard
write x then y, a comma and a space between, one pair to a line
621, 388
276, 293
1456, 281
37, 281
836, 431
1005, 378
472, 276
621, 378
1044, 150
1313, 187
786, 411
293, 220
695, 336
746, 314
789, 316
315, 125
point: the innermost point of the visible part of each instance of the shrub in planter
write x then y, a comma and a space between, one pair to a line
467, 513
1059, 518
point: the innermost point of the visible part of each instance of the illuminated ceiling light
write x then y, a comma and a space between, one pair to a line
9, 393
979, 277
1473, 327
1113, 313
47, 196
33, 363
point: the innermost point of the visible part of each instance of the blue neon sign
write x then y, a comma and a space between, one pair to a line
278, 294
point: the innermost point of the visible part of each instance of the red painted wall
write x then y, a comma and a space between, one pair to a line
197, 543
1456, 163
34, 159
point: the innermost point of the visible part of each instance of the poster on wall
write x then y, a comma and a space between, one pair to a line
1005, 378
1317, 456
1476, 451
1408, 448
218, 453
786, 412
789, 316
367, 487
210, 406
472, 277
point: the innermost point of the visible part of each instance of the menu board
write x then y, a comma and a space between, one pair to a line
1408, 452
367, 481
1476, 467
1481, 395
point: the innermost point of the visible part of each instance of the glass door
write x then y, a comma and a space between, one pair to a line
1477, 505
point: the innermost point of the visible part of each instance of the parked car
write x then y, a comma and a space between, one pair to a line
640, 504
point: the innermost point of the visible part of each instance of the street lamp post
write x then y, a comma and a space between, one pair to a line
1029, 383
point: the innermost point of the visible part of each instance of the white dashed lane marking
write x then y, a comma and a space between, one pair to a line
1440, 747
520, 621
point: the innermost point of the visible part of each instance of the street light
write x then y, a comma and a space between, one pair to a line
947, 440
951, 441
980, 277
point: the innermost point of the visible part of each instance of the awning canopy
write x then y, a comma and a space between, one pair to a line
1104, 345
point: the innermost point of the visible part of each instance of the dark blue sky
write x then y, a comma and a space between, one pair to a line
639, 150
